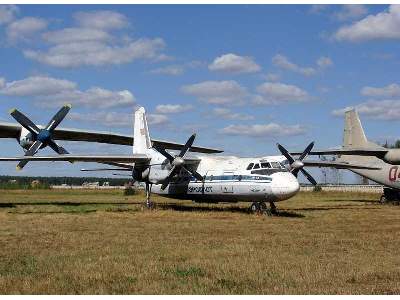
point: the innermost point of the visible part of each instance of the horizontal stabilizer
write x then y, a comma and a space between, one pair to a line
337, 165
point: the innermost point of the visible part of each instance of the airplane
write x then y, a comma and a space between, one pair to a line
204, 178
357, 149
32, 137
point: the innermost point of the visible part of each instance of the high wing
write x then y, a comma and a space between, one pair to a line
364, 152
337, 165
11, 130
137, 158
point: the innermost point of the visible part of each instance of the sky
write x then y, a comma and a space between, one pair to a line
243, 77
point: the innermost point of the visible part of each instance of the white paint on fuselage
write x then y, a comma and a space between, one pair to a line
226, 180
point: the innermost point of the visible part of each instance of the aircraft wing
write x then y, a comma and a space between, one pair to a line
363, 152
337, 165
137, 158
11, 130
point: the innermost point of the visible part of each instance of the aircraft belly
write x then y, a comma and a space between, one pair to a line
219, 191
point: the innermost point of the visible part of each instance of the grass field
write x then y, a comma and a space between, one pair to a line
101, 242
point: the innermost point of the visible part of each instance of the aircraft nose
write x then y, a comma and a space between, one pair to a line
286, 186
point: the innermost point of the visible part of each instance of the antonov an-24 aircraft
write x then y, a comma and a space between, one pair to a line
202, 178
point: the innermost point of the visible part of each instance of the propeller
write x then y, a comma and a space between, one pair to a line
178, 162
297, 165
43, 137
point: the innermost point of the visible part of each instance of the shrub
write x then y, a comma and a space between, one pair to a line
129, 191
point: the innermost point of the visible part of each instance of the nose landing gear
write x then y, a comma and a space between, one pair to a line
149, 203
261, 207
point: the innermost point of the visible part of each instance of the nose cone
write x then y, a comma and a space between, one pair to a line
285, 186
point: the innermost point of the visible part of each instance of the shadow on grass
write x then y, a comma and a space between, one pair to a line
355, 200
338, 207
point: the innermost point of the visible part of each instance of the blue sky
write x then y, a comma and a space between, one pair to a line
242, 77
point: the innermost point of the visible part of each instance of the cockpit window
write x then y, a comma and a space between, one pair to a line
265, 165
275, 165
256, 166
250, 166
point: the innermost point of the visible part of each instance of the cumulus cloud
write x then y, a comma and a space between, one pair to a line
389, 91
279, 93
217, 92
283, 62
384, 25
351, 12
173, 108
75, 34
264, 130
2, 82
48, 91
102, 19
227, 114
7, 13
232, 63
23, 29
174, 70
157, 119
89, 53
387, 110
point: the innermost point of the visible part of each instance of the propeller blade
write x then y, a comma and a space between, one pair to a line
171, 174
194, 173
58, 149
31, 151
58, 117
309, 177
306, 151
164, 152
285, 153
24, 121
187, 146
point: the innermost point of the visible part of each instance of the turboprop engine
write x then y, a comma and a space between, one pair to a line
26, 139
392, 157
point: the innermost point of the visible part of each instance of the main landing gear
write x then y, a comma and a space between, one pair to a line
261, 207
149, 203
390, 196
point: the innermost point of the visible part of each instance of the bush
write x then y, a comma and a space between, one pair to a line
317, 188
129, 191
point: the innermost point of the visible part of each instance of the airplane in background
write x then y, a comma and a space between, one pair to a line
356, 149
32, 137
204, 178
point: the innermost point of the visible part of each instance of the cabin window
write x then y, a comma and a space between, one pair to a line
275, 165
256, 166
250, 166
265, 165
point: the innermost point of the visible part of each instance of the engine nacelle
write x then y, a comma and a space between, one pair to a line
26, 139
392, 157
157, 175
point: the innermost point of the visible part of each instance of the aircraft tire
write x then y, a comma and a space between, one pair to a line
255, 208
382, 200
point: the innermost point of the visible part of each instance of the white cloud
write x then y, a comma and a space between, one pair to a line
102, 19
91, 53
227, 114
173, 108
157, 119
272, 77
389, 91
110, 119
174, 70
23, 29
2, 82
264, 130
318, 8
232, 63
351, 12
7, 13
387, 110
217, 92
48, 91
283, 62
324, 62
384, 25
279, 93
75, 34
36, 86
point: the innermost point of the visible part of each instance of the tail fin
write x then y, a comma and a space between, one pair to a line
354, 136
141, 135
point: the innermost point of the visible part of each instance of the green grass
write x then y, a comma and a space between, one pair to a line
102, 242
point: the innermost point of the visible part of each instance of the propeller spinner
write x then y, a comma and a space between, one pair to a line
43, 136
297, 165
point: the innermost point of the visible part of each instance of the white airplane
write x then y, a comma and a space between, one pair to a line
204, 178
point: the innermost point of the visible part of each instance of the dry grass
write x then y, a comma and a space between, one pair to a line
86, 242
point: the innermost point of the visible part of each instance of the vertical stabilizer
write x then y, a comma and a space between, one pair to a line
141, 135
354, 136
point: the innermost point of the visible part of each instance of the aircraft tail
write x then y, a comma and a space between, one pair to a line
141, 135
